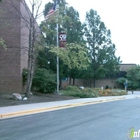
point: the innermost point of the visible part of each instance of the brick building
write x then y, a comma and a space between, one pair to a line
14, 17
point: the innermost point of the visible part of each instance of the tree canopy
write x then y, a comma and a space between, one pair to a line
133, 76
89, 53
101, 49
74, 55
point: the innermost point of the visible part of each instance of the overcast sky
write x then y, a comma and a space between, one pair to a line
122, 17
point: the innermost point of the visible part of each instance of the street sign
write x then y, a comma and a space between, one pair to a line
62, 40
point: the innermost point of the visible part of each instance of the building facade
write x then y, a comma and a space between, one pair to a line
14, 17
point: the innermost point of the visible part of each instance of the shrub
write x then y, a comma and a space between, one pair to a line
121, 81
44, 81
91, 92
112, 92
76, 92
106, 87
73, 88
79, 94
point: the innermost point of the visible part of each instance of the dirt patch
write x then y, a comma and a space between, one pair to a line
5, 99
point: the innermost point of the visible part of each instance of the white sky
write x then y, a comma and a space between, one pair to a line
122, 17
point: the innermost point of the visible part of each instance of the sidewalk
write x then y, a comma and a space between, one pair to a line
20, 110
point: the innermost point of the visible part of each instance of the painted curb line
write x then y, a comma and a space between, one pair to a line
45, 109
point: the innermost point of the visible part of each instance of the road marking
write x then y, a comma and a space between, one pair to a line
34, 111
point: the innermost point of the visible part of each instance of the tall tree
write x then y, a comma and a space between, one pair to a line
74, 29
101, 48
69, 22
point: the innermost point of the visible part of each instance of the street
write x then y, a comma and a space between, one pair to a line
105, 121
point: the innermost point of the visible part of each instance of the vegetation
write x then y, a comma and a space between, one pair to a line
112, 92
91, 92
2, 43
89, 53
121, 81
76, 92
133, 78
100, 47
44, 81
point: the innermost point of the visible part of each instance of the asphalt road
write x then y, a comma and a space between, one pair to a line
105, 121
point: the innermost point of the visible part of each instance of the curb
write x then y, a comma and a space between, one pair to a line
40, 110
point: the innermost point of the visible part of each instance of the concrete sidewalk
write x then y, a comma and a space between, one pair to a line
13, 111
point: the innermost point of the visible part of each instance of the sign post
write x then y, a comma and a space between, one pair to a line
62, 40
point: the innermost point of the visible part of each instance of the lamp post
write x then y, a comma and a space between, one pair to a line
50, 14
57, 59
57, 44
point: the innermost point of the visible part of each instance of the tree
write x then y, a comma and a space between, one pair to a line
101, 48
69, 22
121, 81
133, 76
74, 29
32, 40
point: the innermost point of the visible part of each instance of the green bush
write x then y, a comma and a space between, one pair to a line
121, 81
73, 88
91, 92
76, 92
106, 87
79, 94
44, 81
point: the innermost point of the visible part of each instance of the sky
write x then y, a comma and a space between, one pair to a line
122, 17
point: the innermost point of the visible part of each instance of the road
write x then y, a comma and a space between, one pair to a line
105, 121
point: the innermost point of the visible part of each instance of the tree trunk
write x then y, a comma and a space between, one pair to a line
90, 83
70, 80
60, 86
31, 54
73, 81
